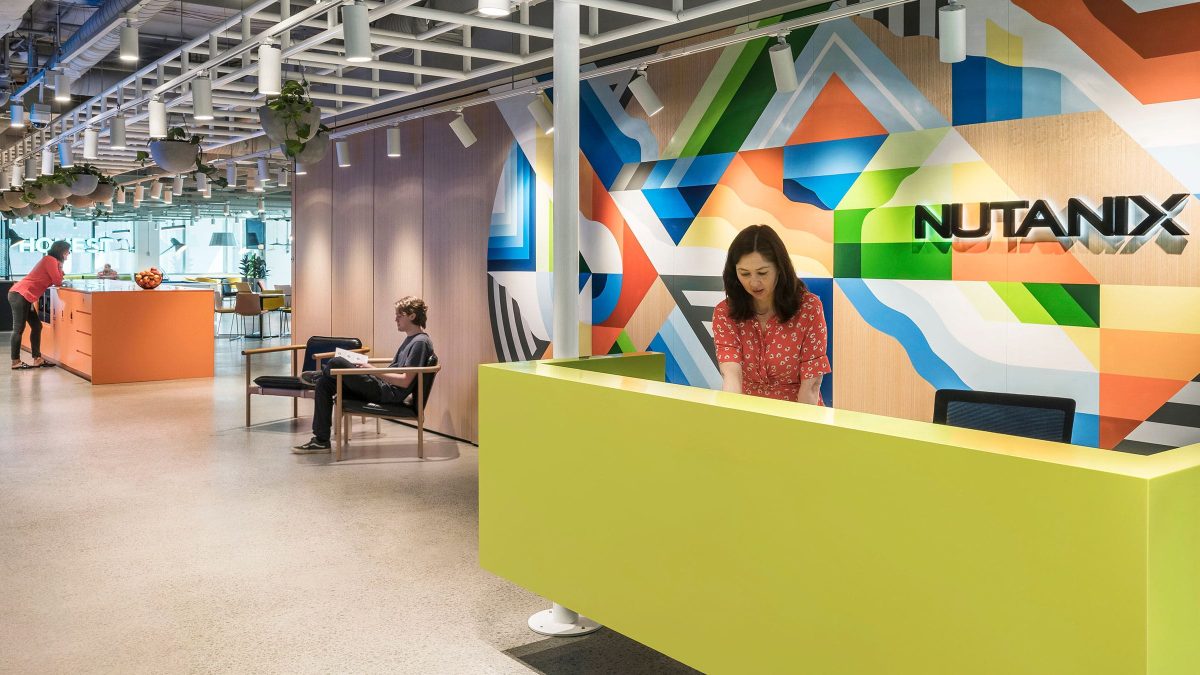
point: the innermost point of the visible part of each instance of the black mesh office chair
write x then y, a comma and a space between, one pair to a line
1048, 418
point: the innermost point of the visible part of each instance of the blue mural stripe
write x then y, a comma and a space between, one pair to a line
828, 158
1086, 430
607, 149
606, 291
887, 320
800, 194
829, 189
707, 169
674, 372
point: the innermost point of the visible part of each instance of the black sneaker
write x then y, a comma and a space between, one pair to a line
313, 447
309, 378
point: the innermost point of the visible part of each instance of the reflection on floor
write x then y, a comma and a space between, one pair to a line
144, 529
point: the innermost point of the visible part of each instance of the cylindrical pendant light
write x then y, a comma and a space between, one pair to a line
262, 205
952, 33
281, 178
129, 42
202, 108
91, 143
66, 158
253, 184
783, 66
393, 142
201, 181
270, 73
47, 161
645, 96
177, 185
342, 148
139, 193
356, 33
459, 126
542, 113
263, 176
158, 118
18, 174
31, 167
120, 195
495, 8
16, 114
300, 170
168, 196
156, 189
62, 86
231, 174
225, 209
116, 132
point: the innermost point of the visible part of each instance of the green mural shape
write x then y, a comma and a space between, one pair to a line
623, 345
875, 188
892, 261
1062, 306
1022, 303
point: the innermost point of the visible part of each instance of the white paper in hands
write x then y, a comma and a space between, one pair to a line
353, 357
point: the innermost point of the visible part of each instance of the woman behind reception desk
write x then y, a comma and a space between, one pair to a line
769, 330
23, 299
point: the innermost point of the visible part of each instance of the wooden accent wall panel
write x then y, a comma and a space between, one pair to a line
312, 266
399, 224
353, 240
459, 187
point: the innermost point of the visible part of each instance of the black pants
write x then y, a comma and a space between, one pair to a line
358, 387
25, 312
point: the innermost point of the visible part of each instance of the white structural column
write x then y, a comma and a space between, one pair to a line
559, 620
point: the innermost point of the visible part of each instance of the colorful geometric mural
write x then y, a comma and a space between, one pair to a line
1058, 100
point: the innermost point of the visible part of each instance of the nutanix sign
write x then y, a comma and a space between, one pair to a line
1120, 225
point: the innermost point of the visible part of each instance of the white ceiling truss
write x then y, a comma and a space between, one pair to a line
456, 49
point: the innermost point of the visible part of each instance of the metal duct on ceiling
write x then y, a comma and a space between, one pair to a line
100, 34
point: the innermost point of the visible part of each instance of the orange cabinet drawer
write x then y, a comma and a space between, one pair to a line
81, 320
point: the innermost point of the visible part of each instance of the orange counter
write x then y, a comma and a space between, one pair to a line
113, 331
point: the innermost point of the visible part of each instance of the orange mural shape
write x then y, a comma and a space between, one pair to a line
755, 177
836, 114
1039, 262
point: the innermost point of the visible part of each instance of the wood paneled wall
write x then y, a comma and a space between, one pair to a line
387, 227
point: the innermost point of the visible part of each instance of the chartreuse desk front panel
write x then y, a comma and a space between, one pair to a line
743, 535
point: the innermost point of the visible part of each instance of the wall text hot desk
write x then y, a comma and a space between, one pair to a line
113, 331
744, 535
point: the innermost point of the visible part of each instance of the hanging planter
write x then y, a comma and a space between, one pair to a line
23, 211
294, 122
36, 193
80, 201
43, 209
177, 153
15, 198
83, 178
103, 192
58, 184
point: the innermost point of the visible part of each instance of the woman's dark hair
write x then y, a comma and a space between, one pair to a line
789, 290
59, 249
415, 307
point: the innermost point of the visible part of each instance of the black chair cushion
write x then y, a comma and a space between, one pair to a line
320, 344
354, 407
279, 382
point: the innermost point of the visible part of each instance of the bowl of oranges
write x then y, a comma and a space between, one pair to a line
148, 279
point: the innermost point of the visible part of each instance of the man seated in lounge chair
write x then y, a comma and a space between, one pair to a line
411, 315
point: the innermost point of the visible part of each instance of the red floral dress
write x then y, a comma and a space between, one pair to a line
774, 358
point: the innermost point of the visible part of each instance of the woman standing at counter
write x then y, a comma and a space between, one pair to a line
769, 330
23, 299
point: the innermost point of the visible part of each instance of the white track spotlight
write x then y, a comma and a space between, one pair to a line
459, 126
393, 142
156, 189
356, 33
263, 176
91, 144
18, 175
129, 42
62, 87
158, 118
783, 65
65, 157
139, 193
495, 8
952, 33
225, 209
168, 197
254, 184
262, 205
47, 161
300, 170
270, 70
640, 86
202, 108
231, 174
16, 115
342, 148
177, 185
30, 171
120, 195
116, 132
542, 113
202, 181
281, 178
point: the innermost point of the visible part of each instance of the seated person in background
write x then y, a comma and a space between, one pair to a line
411, 315
107, 273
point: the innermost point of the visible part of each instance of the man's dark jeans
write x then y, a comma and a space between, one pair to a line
359, 387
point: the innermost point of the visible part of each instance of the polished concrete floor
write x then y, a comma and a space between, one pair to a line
143, 529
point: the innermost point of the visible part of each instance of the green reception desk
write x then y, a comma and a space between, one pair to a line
743, 535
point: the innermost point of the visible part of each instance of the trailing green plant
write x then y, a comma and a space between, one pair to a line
292, 107
39, 182
214, 175
181, 134
81, 169
60, 176
253, 266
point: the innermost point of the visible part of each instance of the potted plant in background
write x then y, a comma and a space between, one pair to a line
293, 121
253, 267
177, 153
36, 193
83, 178
59, 183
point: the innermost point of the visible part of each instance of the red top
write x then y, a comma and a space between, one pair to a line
776, 357
46, 273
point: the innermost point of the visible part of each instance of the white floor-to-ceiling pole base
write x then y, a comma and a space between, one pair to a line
558, 621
